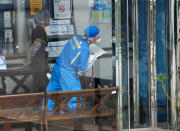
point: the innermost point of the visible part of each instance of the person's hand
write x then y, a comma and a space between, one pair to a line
79, 73
48, 75
27, 61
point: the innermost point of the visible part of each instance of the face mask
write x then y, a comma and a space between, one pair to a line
98, 41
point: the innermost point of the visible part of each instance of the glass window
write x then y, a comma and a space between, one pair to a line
58, 65
89, 64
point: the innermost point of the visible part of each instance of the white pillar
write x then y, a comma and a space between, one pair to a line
21, 27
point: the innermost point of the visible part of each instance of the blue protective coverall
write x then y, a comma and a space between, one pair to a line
73, 58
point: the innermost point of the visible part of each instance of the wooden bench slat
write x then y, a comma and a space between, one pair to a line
78, 115
20, 116
83, 92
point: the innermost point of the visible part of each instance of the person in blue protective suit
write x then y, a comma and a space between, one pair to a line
75, 57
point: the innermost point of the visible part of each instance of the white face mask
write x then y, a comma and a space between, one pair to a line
98, 41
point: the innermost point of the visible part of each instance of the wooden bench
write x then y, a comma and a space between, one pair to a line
20, 108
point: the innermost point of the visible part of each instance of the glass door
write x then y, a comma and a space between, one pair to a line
147, 63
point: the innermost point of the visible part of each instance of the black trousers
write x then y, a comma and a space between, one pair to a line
40, 81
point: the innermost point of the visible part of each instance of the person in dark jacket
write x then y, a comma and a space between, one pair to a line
36, 55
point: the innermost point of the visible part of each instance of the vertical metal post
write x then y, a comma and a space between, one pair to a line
173, 82
178, 58
118, 61
135, 61
151, 39
127, 28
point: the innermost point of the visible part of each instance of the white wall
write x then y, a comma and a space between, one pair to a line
81, 15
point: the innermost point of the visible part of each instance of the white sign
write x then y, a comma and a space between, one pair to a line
2, 63
57, 30
54, 51
57, 43
7, 19
59, 22
8, 33
54, 30
62, 9
70, 29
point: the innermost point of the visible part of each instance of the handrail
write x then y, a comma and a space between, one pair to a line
80, 92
